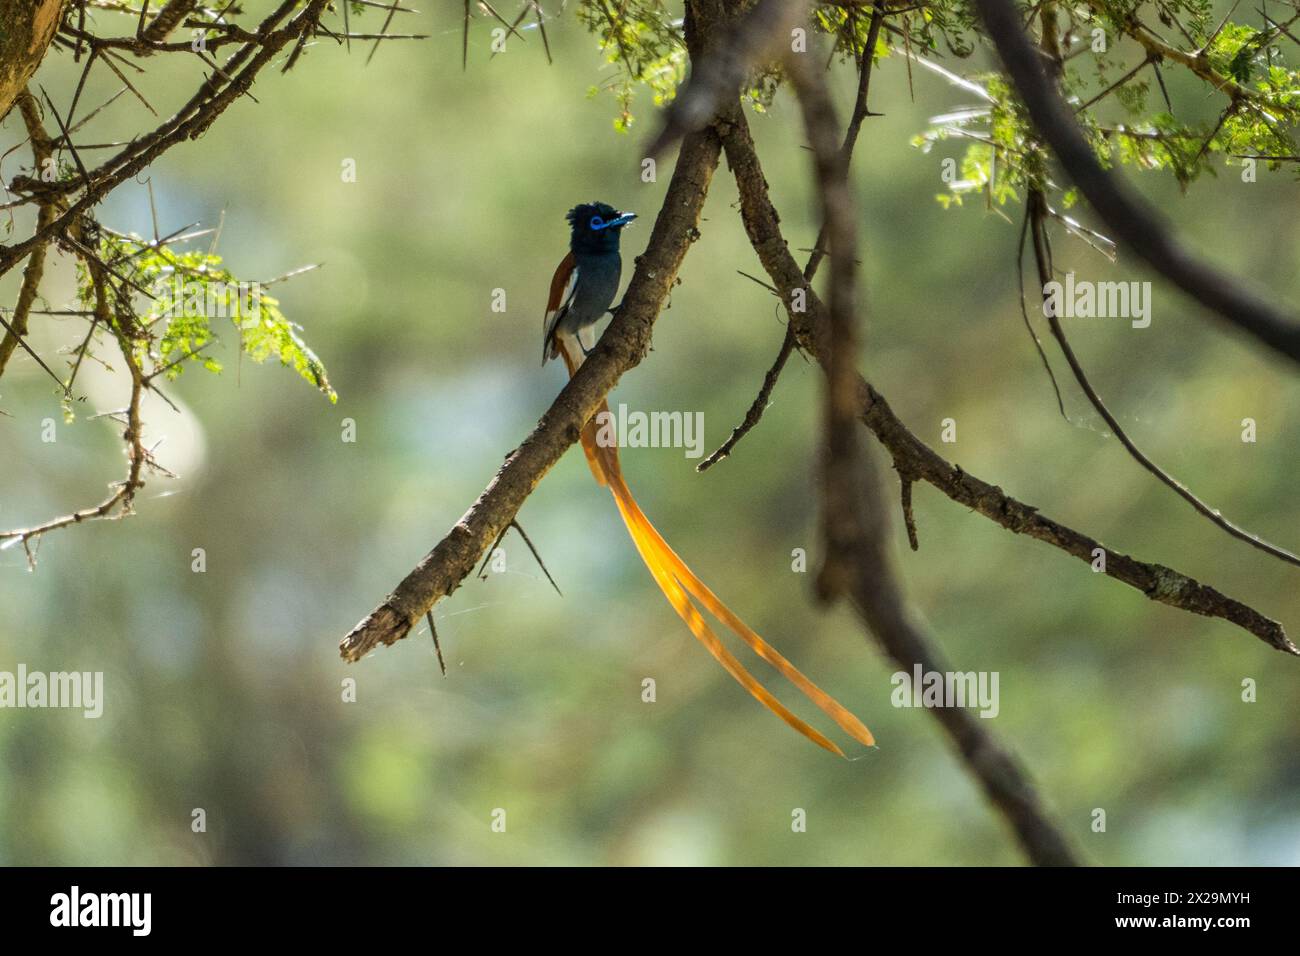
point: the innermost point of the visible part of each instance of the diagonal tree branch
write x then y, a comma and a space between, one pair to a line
847, 523
916, 461
621, 348
1197, 62
757, 407
168, 19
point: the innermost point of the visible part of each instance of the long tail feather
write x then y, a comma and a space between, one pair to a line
675, 579
842, 716
700, 628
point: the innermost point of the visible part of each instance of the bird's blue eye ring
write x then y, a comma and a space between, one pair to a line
597, 223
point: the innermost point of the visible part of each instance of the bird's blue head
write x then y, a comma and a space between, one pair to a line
595, 228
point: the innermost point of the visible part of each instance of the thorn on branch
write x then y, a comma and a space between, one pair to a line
536, 557
514, 523
436, 645
909, 519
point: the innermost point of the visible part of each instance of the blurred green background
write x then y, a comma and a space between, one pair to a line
223, 689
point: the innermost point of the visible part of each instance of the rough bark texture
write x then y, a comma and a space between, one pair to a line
26, 29
168, 19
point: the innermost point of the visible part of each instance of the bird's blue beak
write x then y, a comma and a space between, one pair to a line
623, 219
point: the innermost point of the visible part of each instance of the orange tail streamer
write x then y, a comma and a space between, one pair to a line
680, 584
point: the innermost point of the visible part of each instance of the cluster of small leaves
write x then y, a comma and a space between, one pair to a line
851, 29
1146, 140
949, 22
189, 290
954, 23
1001, 156
1247, 133
1191, 15
1005, 155
1253, 58
644, 42
1236, 50
762, 88
1160, 142
644, 39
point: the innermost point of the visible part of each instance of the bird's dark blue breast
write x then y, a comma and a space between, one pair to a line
598, 277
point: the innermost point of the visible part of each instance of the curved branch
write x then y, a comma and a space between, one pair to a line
1036, 218
856, 526
1130, 220
120, 501
860, 112
757, 407
855, 523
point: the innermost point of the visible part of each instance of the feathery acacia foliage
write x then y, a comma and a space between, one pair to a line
1126, 82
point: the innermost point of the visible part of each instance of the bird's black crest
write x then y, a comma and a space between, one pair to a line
579, 215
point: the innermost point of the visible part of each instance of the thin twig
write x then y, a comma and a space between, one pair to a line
437, 646
120, 501
759, 405
1024, 314
1043, 258
909, 519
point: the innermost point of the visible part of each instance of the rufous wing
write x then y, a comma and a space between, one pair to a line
563, 283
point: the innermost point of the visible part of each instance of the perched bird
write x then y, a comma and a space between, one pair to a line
587, 279
581, 291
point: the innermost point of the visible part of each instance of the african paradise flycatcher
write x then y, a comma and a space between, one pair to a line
581, 292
